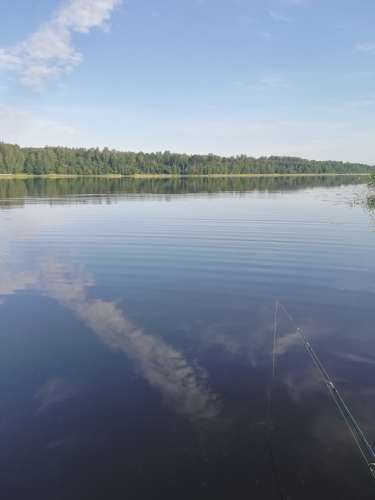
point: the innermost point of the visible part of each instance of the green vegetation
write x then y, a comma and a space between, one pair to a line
69, 161
371, 196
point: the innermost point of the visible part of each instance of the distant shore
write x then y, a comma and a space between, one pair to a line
171, 176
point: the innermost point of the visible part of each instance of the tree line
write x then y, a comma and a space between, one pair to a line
80, 161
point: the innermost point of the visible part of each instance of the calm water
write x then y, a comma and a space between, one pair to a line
136, 338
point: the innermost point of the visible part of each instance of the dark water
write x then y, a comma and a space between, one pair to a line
136, 338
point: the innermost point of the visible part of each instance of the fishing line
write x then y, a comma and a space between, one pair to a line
269, 427
360, 438
275, 316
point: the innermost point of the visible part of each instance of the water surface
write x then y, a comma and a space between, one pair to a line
137, 328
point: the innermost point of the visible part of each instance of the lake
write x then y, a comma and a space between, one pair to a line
136, 340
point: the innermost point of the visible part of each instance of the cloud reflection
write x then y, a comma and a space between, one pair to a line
355, 358
183, 386
9, 283
54, 391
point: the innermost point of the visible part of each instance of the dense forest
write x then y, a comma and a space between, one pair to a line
61, 160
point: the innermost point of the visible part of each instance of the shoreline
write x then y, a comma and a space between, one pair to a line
170, 176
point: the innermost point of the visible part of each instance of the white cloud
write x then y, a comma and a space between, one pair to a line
265, 81
266, 35
8, 60
277, 16
367, 47
49, 51
273, 80
28, 127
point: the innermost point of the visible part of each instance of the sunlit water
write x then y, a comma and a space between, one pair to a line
136, 338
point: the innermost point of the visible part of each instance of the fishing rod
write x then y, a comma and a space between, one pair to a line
357, 433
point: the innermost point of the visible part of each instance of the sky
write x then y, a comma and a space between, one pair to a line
255, 77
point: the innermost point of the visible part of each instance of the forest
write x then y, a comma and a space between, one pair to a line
80, 161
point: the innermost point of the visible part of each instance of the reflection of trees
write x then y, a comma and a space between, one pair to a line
371, 196
14, 191
371, 206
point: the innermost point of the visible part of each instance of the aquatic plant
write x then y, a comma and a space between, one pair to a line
371, 194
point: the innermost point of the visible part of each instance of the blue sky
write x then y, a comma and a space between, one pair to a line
258, 77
